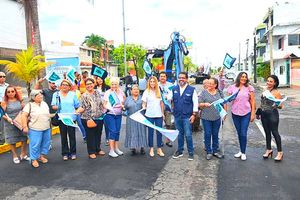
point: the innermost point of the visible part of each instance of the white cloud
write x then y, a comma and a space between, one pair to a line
214, 26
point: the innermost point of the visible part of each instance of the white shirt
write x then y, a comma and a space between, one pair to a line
195, 97
2, 90
153, 108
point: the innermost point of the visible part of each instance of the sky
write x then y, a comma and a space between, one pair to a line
215, 27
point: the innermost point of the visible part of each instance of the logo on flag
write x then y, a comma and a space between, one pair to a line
113, 99
228, 61
98, 71
71, 75
52, 77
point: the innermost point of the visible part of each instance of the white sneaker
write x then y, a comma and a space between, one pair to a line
238, 155
113, 154
243, 157
119, 152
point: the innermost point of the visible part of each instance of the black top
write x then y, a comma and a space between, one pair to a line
47, 93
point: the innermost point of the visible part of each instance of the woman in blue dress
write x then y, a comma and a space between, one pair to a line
136, 135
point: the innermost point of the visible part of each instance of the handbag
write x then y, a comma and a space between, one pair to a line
55, 118
17, 122
91, 123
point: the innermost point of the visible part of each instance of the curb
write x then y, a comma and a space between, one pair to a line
5, 147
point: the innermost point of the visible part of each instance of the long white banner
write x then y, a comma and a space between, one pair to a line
138, 117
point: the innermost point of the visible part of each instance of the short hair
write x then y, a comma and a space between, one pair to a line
89, 79
163, 72
66, 81
115, 79
184, 73
33, 94
216, 82
276, 80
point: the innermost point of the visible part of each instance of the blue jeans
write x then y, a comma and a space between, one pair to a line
39, 143
82, 130
158, 121
185, 129
113, 123
211, 133
241, 124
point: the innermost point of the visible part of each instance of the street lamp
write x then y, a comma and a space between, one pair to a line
124, 37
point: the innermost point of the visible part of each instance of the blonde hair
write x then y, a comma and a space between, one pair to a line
114, 80
156, 87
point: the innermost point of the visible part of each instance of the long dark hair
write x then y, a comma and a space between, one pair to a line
276, 80
238, 79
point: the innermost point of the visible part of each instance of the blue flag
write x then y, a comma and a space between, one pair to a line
113, 99
2, 112
52, 77
71, 75
147, 67
228, 61
98, 71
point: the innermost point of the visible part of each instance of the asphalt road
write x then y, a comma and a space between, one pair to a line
142, 177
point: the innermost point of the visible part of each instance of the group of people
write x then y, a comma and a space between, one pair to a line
94, 111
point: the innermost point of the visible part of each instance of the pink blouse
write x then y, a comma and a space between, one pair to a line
241, 105
117, 109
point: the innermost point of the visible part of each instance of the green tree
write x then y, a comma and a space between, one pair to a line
27, 66
134, 53
189, 66
263, 70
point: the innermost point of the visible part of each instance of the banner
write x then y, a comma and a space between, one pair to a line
67, 120
147, 67
228, 61
113, 99
98, 71
269, 96
170, 134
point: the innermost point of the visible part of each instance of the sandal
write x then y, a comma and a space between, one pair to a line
24, 158
16, 160
43, 160
35, 164
65, 158
92, 156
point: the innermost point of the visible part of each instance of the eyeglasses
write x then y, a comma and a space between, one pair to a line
181, 77
2, 76
10, 91
89, 84
65, 85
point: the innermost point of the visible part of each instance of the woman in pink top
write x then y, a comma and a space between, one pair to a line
114, 99
243, 110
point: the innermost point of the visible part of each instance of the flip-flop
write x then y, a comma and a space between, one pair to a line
16, 160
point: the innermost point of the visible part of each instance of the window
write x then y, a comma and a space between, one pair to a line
281, 70
89, 53
294, 39
280, 43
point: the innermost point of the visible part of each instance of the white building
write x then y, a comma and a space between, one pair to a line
285, 27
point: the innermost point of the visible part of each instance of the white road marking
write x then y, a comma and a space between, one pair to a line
260, 127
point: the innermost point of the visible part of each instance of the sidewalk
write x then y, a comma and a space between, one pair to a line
293, 94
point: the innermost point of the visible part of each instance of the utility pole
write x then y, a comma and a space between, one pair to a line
124, 37
239, 56
254, 57
246, 64
271, 41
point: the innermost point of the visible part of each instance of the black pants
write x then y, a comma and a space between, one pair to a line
65, 132
270, 122
93, 136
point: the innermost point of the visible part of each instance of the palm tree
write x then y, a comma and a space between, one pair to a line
96, 42
27, 66
33, 28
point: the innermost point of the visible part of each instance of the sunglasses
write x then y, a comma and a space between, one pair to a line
10, 91
2, 76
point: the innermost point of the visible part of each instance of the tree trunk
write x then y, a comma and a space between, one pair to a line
28, 86
136, 70
32, 27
